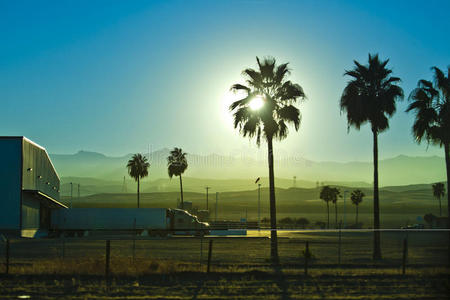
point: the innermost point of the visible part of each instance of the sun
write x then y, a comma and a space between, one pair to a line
256, 103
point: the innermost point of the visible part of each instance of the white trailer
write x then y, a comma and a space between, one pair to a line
155, 221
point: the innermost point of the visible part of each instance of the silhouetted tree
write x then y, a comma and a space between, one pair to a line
429, 219
370, 97
326, 195
320, 224
335, 194
302, 222
271, 120
137, 169
439, 192
357, 197
176, 165
431, 103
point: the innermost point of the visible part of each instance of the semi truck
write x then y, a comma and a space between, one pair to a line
141, 221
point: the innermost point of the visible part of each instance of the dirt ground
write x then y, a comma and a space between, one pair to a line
277, 284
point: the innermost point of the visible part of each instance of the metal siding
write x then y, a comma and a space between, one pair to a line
10, 181
36, 163
30, 212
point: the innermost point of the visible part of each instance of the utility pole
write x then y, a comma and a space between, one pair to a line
71, 194
124, 185
207, 188
295, 181
345, 195
217, 198
78, 192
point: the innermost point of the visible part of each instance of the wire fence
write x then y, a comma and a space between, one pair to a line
129, 254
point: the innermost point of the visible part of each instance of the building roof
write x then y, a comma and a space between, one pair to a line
34, 144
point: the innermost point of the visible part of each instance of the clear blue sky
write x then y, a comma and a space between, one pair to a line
116, 76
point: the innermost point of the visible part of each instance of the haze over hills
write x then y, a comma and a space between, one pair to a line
238, 173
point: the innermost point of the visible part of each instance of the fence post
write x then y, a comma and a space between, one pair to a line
108, 249
405, 254
339, 246
201, 249
209, 255
306, 257
7, 257
134, 240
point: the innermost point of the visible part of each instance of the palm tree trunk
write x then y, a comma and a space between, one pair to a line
440, 207
356, 216
447, 165
181, 188
138, 193
328, 215
376, 203
273, 211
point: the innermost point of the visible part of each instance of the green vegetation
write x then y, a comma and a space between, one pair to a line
176, 165
274, 96
370, 98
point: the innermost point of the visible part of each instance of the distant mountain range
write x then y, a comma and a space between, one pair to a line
237, 173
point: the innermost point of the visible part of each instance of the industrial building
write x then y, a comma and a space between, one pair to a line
29, 188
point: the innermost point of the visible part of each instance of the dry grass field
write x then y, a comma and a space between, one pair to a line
175, 268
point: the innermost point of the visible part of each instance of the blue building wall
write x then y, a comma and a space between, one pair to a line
29, 187
10, 182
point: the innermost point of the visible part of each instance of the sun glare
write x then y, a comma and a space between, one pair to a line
256, 103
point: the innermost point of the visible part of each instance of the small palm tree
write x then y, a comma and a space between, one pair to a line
176, 165
370, 98
439, 192
357, 197
335, 194
326, 195
265, 111
138, 169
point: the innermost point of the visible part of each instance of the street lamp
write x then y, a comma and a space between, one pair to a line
259, 202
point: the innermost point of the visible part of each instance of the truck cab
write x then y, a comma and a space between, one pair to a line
185, 223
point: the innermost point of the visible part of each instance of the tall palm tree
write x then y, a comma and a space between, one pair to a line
335, 193
265, 111
138, 168
326, 195
357, 197
439, 192
431, 103
176, 165
370, 97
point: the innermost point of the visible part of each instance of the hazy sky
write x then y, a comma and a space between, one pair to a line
117, 76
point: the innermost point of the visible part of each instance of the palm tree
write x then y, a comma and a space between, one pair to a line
370, 97
326, 195
176, 165
265, 111
138, 168
439, 192
431, 103
335, 193
357, 197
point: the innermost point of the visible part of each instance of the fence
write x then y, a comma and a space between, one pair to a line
401, 250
